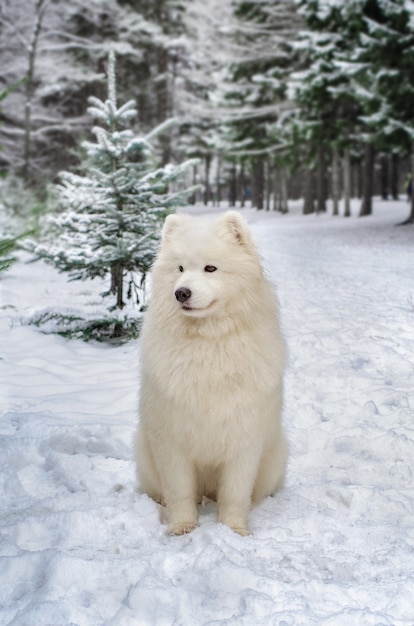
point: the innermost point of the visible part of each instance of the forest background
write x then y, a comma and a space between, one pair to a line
277, 99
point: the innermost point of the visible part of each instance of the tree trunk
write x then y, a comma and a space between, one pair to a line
321, 181
347, 183
193, 198
162, 106
411, 217
275, 192
117, 283
356, 177
40, 9
242, 185
207, 191
258, 184
394, 175
269, 179
368, 183
384, 177
283, 207
309, 199
218, 183
335, 181
233, 186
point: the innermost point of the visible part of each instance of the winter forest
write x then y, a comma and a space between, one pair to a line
276, 100
300, 115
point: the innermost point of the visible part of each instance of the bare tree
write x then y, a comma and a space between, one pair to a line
61, 48
39, 12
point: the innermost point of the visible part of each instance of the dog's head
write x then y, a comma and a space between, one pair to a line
211, 263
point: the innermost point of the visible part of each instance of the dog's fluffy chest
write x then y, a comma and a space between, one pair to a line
211, 365
200, 369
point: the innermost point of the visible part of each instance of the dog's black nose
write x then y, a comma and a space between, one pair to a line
182, 294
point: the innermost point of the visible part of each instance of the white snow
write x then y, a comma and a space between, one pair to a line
79, 546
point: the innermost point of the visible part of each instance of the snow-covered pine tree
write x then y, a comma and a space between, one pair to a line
386, 52
112, 212
7, 246
257, 83
329, 110
360, 81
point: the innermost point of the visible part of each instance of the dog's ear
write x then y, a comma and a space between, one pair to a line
170, 224
233, 224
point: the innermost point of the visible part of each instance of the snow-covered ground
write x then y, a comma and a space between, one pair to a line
79, 546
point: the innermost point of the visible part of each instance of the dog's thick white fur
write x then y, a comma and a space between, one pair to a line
212, 365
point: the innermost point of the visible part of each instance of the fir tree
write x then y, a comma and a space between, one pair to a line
257, 82
112, 212
7, 247
329, 108
386, 51
359, 84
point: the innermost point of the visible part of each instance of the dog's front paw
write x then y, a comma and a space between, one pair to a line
240, 530
181, 528
237, 523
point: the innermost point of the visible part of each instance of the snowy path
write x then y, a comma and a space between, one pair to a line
79, 547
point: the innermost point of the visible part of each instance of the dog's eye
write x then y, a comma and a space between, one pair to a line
180, 267
210, 268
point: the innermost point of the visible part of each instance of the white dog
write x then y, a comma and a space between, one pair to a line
212, 365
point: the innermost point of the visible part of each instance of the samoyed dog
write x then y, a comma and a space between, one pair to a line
212, 365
